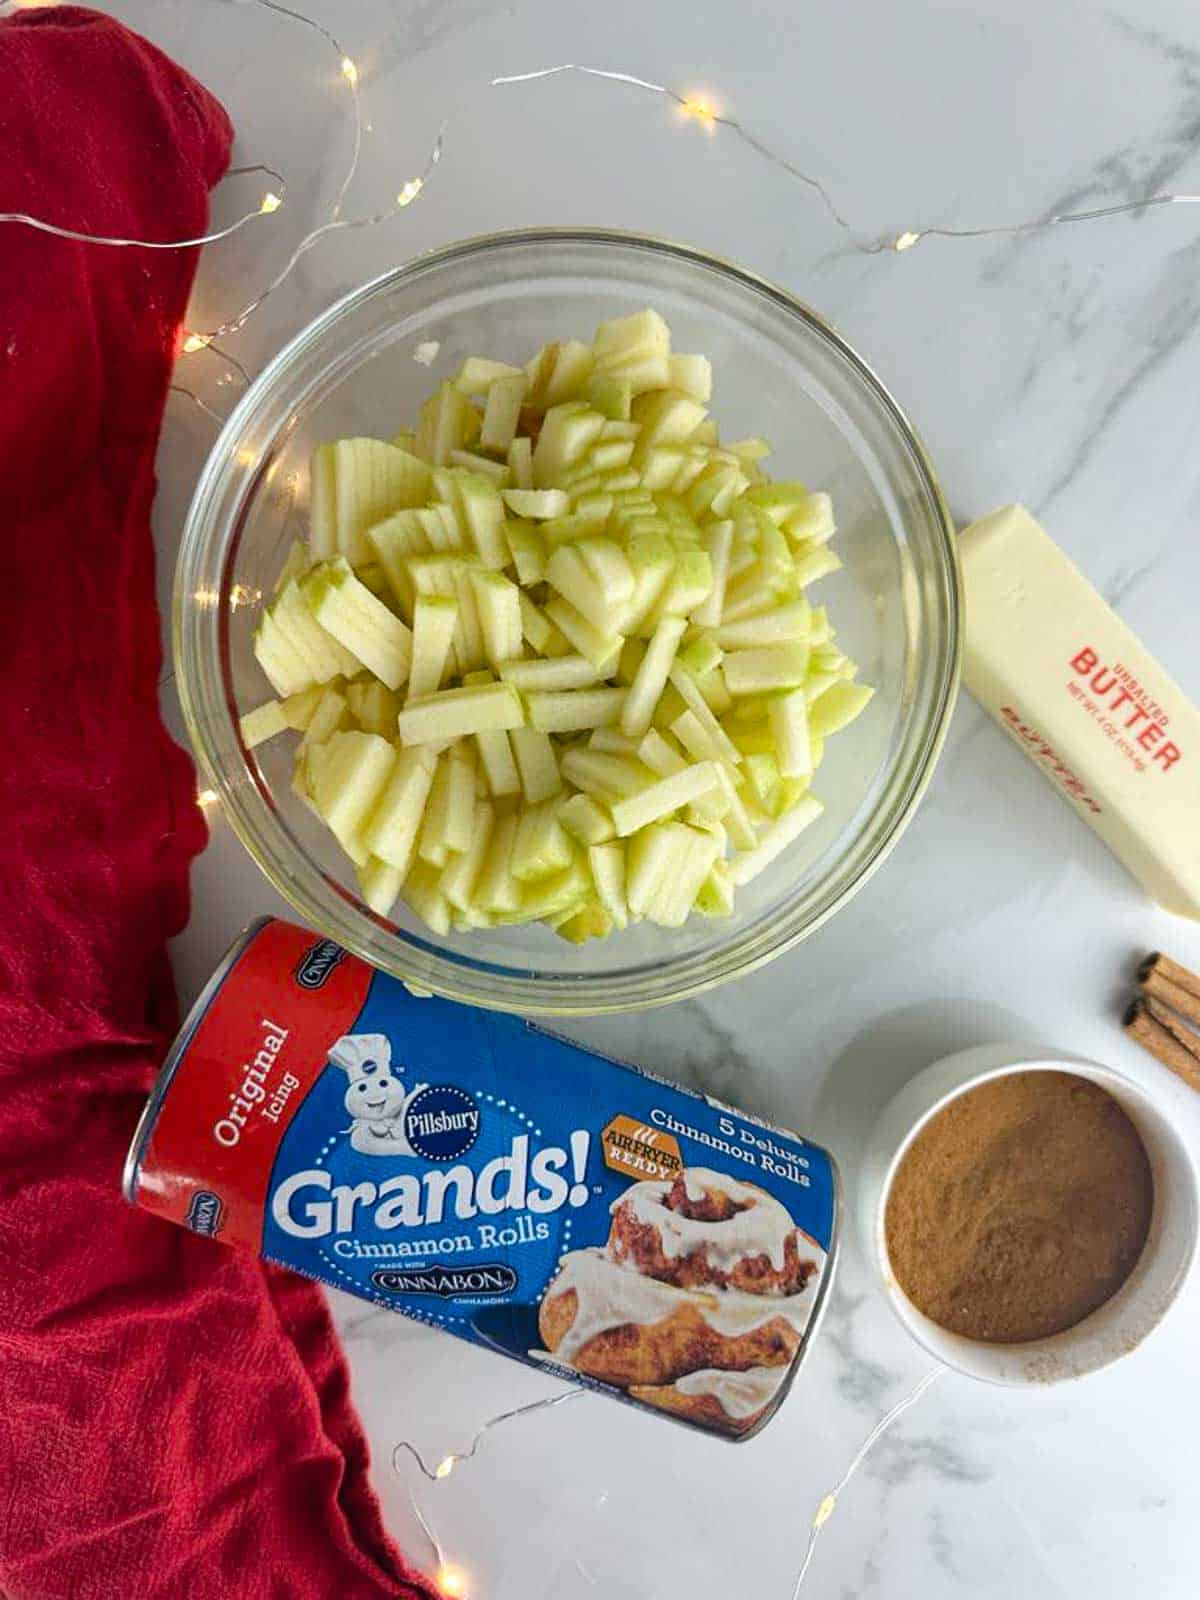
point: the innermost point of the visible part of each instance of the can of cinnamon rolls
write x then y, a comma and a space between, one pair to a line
477, 1173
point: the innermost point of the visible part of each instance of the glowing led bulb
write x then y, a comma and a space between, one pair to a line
206, 799
195, 341
702, 110
410, 192
444, 1468
906, 241
452, 1581
270, 202
349, 71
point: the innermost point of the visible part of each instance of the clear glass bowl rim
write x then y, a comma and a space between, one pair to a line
329, 908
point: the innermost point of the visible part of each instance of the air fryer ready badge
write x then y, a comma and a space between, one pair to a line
467, 1169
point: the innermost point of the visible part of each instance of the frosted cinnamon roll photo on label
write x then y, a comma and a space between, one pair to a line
467, 1169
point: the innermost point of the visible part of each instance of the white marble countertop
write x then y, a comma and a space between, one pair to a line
1058, 368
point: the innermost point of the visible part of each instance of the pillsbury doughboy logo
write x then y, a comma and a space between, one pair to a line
375, 1098
441, 1123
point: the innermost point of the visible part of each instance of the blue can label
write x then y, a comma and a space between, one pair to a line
485, 1176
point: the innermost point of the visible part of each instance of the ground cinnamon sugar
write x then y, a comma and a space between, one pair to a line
1022, 1207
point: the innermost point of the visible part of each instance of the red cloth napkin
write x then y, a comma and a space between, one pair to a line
174, 1420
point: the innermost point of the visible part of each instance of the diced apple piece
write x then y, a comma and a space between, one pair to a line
505, 396
442, 527
651, 678
447, 422
651, 856
591, 921
478, 375
541, 848
788, 716
528, 551
450, 810
263, 723
611, 454
275, 653
561, 672
391, 831
816, 563
325, 657
536, 763
499, 605
468, 636
677, 892
496, 890
715, 898
573, 709
371, 479
777, 626
766, 668
566, 437
328, 717
718, 542
373, 706
570, 372
380, 885
775, 841
617, 744
663, 797
423, 893
322, 502
689, 585
461, 874
520, 463
483, 512
685, 684
607, 863
434, 622
604, 777
667, 418
537, 504
298, 708
611, 397
837, 707
660, 756
586, 820
602, 649
356, 619
295, 564
692, 375
454, 713
811, 523
348, 786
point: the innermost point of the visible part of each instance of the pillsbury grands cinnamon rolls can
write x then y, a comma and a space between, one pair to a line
470, 1170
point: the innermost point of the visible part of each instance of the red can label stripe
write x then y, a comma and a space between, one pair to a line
253, 1059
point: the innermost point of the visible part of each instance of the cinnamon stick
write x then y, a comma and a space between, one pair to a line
1157, 1030
1156, 983
1171, 970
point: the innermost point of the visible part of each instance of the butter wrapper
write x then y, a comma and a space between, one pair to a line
1086, 701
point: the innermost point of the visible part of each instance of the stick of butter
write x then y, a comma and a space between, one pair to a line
1065, 677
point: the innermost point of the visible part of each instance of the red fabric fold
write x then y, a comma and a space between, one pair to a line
174, 1420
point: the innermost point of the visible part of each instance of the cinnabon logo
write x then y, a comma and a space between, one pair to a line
1117, 690
318, 962
447, 1282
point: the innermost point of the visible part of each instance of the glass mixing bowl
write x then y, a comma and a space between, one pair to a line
363, 367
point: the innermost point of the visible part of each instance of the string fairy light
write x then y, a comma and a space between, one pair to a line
447, 1464
701, 110
696, 108
825, 1508
450, 1578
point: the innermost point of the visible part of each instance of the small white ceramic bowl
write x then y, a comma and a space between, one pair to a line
1113, 1329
